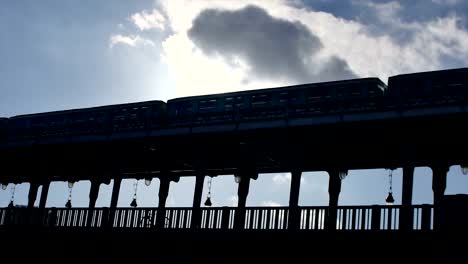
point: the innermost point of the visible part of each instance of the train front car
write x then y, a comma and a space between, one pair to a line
443, 87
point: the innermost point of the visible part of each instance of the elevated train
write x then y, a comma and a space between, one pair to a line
367, 94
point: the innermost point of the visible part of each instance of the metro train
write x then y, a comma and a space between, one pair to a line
406, 90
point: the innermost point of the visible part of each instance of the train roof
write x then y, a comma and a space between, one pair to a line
59, 112
431, 73
285, 88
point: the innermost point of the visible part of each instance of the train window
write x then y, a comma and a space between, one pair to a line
261, 100
228, 103
284, 97
240, 103
207, 105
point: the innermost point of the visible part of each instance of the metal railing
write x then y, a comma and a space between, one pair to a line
314, 218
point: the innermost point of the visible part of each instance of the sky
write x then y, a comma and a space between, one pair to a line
65, 54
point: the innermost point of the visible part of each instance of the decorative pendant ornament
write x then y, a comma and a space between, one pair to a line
390, 200
12, 199
208, 198
134, 201
70, 189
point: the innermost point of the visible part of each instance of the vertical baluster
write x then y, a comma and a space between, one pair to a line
116, 218
267, 220
175, 216
183, 217
305, 214
363, 218
344, 221
285, 218
417, 226
426, 218
180, 222
395, 218
129, 215
171, 216
260, 219
129, 218
316, 218
353, 220
209, 221
189, 220
75, 217
70, 217
215, 220
277, 216
389, 221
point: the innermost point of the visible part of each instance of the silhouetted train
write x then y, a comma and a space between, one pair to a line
367, 94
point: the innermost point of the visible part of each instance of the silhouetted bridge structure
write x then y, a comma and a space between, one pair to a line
419, 120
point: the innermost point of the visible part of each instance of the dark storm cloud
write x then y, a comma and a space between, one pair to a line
273, 48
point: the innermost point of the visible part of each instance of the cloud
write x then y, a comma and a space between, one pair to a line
273, 48
282, 178
200, 63
129, 40
233, 200
149, 20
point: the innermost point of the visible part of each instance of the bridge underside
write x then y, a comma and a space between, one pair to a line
416, 141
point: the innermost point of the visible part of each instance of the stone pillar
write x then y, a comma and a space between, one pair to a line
44, 193
197, 197
439, 183
406, 211
33, 188
334, 189
163, 193
115, 193
407, 188
294, 213
93, 193
242, 192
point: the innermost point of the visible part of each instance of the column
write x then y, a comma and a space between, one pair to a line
163, 193
334, 189
406, 212
115, 192
33, 187
44, 193
242, 192
197, 197
439, 183
294, 213
407, 189
93, 193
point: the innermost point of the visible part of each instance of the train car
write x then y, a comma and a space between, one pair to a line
33, 126
273, 102
88, 121
429, 88
138, 116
